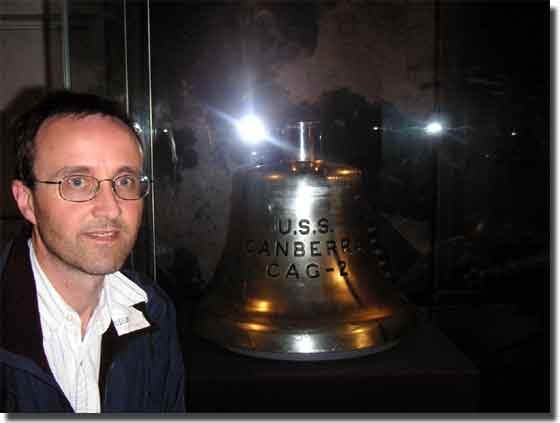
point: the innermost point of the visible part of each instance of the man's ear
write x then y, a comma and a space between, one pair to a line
24, 199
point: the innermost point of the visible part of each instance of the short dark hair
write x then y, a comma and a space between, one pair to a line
58, 104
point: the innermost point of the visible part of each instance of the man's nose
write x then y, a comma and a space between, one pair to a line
106, 202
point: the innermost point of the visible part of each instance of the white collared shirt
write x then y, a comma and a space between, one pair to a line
75, 361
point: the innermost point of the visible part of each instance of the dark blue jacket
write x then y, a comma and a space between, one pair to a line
140, 372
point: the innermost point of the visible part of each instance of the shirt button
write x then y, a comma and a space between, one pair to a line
69, 317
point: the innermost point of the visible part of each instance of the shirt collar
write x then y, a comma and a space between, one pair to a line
122, 295
117, 298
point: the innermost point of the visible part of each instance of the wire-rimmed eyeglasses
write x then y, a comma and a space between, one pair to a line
81, 188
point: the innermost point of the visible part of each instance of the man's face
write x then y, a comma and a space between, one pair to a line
92, 237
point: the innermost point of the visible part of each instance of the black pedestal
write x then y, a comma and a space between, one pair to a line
425, 372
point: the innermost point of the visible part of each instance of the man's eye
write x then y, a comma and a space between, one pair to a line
126, 181
76, 181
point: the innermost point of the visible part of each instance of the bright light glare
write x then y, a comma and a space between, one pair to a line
304, 199
304, 343
251, 129
434, 128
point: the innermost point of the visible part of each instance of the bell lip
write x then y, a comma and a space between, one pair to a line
333, 343
317, 356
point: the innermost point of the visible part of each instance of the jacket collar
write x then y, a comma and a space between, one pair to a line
112, 344
20, 326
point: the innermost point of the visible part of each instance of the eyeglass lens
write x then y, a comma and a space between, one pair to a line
83, 188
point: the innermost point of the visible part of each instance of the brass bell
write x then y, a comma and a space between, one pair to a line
299, 278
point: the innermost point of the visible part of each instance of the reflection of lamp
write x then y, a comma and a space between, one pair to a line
303, 200
251, 129
435, 130
304, 344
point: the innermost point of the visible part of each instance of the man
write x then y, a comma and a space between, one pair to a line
76, 334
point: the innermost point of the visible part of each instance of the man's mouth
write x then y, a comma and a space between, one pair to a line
103, 235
